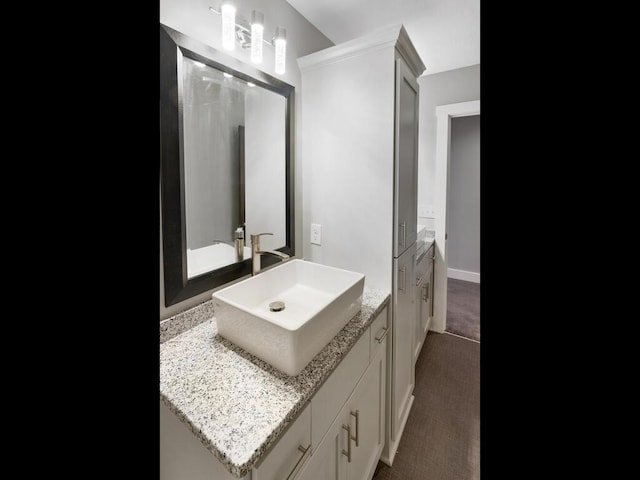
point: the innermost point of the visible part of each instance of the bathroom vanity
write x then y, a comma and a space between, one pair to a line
425, 258
225, 414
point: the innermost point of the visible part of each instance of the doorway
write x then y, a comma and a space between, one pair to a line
444, 115
463, 229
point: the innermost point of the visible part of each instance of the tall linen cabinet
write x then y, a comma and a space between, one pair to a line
359, 157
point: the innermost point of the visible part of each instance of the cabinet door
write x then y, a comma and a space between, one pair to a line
418, 330
402, 340
365, 415
406, 159
326, 462
290, 452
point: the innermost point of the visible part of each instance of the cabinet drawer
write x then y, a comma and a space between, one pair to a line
287, 454
379, 330
329, 399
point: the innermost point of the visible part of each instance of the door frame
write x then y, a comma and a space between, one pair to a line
444, 114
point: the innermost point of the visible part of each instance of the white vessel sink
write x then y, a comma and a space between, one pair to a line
318, 301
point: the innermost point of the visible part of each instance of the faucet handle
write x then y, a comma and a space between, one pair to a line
255, 237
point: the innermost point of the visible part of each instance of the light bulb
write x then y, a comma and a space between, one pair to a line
281, 49
257, 29
228, 26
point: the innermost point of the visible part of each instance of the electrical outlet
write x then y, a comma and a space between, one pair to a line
426, 211
316, 233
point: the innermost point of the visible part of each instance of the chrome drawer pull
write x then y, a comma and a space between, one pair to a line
296, 467
357, 415
380, 339
348, 452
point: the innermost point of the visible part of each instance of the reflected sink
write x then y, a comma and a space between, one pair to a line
318, 301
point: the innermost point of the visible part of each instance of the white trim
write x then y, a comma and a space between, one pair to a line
463, 275
444, 113
391, 36
385, 37
460, 336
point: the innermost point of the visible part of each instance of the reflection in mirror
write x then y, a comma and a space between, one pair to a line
234, 166
225, 162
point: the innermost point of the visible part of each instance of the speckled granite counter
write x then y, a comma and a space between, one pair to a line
236, 404
425, 239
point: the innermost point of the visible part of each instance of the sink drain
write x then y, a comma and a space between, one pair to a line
276, 306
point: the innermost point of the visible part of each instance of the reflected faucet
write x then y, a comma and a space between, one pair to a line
256, 252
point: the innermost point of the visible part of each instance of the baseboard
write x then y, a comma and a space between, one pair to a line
463, 275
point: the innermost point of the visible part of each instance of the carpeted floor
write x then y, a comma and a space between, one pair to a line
441, 440
463, 308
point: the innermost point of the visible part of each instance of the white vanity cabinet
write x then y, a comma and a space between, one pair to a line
351, 398
424, 299
352, 445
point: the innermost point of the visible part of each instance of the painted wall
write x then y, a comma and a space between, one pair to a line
193, 18
453, 86
463, 202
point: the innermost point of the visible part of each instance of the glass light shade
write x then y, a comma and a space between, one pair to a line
228, 26
281, 49
257, 31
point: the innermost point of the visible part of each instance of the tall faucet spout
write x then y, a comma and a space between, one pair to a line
256, 252
283, 256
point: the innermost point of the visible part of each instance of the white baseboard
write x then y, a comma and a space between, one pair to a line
463, 275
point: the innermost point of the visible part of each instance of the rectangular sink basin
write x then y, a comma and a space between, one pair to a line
318, 301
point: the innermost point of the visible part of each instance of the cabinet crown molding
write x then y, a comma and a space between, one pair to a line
393, 36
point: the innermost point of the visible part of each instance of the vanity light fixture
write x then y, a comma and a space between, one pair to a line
228, 12
280, 41
199, 64
250, 35
251, 84
227, 75
257, 30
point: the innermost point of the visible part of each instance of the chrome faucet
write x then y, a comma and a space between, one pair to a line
256, 252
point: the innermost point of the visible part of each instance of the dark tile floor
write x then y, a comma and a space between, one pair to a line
463, 308
441, 440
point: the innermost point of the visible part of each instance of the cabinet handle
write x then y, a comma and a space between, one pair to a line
357, 415
348, 452
404, 279
380, 339
403, 225
425, 297
296, 467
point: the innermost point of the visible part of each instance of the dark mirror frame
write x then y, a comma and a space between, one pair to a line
173, 47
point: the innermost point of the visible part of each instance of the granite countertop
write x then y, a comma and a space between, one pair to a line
236, 404
425, 239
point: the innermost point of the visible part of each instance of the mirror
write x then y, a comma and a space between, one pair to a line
225, 155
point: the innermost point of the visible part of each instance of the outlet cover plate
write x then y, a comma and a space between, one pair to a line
316, 234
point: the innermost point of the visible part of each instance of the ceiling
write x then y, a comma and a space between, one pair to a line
446, 33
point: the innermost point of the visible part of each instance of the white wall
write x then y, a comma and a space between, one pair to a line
463, 202
453, 86
193, 18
